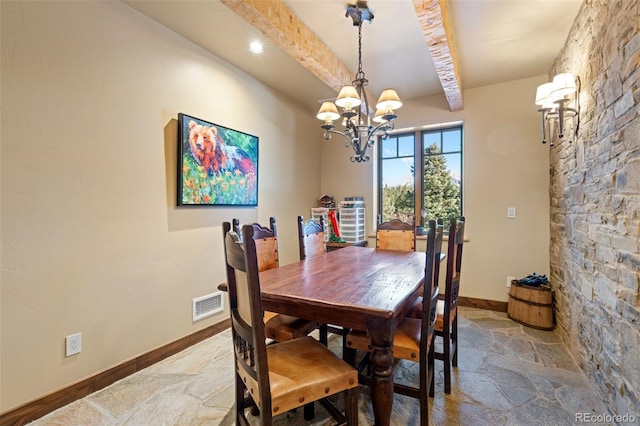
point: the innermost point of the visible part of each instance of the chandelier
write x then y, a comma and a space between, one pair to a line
352, 99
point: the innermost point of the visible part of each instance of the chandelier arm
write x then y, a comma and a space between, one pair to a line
382, 126
338, 132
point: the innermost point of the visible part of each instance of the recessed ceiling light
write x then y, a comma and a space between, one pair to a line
256, 47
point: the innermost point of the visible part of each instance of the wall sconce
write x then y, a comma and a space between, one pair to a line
559, 100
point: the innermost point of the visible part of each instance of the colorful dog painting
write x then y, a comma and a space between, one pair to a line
218, 165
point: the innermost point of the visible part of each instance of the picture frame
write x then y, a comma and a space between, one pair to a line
217, 166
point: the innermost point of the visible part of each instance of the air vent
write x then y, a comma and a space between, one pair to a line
206, 306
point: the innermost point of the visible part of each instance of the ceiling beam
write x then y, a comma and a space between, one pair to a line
277, 22
436, 26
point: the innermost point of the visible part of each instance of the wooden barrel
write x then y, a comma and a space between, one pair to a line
531, 306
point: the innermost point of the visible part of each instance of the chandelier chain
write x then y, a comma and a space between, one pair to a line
360, 73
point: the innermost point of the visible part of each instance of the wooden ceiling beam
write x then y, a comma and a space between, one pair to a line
436, 26
287, 31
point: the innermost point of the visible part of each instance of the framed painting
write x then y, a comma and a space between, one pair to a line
217, 166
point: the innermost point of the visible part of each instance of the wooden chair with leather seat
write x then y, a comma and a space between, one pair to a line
235, 226
413, 340
279, 377
447, 321
396, 235
447, 309
278, 327
311, 238
311, 243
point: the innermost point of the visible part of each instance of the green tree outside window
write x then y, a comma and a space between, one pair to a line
441, 193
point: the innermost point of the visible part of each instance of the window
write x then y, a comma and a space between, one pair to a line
396, 178
439, 162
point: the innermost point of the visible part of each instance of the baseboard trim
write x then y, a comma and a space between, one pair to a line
491, 305
40, 407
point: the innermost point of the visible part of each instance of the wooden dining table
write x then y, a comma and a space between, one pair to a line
358, 288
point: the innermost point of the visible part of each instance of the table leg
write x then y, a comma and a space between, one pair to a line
381, 373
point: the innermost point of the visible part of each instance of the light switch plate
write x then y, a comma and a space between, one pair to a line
511, 212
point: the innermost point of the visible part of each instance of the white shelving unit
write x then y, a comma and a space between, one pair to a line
352, 224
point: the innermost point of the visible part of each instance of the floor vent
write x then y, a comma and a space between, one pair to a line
206, 306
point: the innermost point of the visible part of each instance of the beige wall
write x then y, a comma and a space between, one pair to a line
91, 239
505, 165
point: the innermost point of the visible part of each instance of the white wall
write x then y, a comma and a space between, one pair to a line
505, 165
91, 239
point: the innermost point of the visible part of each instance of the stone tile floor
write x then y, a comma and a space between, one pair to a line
507, 374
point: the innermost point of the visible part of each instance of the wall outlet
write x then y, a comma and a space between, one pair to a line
509, 279
74, 344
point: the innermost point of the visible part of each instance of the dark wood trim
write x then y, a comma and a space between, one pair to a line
491, 305
35, 409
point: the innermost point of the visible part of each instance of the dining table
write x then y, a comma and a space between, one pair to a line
357, 288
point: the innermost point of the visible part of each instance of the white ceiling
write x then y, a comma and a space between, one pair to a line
495, 41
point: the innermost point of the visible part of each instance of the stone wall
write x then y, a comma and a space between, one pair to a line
595, 203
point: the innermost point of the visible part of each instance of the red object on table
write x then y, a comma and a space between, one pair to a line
334, 222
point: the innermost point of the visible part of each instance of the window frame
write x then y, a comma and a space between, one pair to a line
418, 164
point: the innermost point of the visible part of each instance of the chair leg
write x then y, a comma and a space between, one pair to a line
241, 402
424, 384
424, 409
349, 355
351, 406
309, 411
345, 332
324, 334
454, 341
446, 344
431, 368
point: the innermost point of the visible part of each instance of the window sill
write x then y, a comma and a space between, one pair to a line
424, 238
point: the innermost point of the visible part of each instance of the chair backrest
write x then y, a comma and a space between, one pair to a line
250, 351
454, 265
433, 255
266, 243
430, 286
396, 235
311, 238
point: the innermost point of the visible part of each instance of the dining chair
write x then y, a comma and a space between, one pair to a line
311, 243
413, 340
311, 238
396, 235
447, 319
279, 327
235, 226
282, 376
